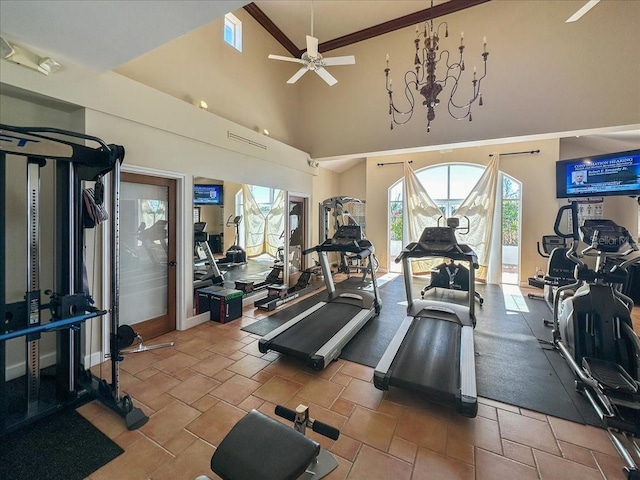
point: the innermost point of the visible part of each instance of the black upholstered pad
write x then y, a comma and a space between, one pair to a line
261, 448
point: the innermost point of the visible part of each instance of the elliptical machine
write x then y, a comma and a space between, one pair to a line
592, 329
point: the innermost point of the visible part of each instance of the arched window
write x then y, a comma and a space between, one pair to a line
448, 185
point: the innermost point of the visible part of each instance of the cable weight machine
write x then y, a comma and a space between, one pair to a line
70, 303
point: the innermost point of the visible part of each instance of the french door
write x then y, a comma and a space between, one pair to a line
148, 254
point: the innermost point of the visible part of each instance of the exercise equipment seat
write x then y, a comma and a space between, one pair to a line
261, 448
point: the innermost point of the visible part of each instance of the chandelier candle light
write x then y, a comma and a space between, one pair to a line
423, 77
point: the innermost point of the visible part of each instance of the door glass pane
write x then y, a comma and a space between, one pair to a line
143, 252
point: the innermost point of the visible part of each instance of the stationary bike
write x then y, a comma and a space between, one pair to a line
592, 329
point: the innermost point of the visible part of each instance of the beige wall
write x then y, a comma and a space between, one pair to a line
244, 87
535, 172
544, 76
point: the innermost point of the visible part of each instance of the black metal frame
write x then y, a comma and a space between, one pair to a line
70, 304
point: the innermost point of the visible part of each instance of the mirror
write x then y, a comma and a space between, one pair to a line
239, 235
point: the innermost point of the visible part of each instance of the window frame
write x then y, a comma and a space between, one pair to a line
235, 25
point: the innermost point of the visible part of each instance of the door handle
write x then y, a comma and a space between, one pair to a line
172, 264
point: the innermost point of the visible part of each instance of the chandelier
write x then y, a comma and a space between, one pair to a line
422, 78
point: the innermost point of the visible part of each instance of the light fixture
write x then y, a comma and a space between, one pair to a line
422, 78
27, 58
203, 105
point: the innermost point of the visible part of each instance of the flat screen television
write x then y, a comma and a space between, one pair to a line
207, 194
600, 175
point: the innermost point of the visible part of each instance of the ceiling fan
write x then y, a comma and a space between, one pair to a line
582, 10
314, 61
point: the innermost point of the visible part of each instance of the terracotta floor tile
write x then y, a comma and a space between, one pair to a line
166, 423
552, 467
490, 466
180, 441
152, 387
184, 374
205, 403
193, 388
587, 436
160, 401
214, 424
127, 438
373, 428
403, 449
577, 454
500, 405
423, 430
137, 462
343, 407
487, 411
193, 345
459, 449
321, 392
356, 370
285, 367
517, 452
212, 365
390, 408
138, 362
248, 366
372, 464
193, 461
610, 466
362, 393
278, 390
341, 471
479, 431
346, 447
226, 346
250, 403
262, 376
431, 465
341, 379
235, 390
527, 431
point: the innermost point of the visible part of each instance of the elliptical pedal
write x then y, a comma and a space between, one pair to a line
610, 375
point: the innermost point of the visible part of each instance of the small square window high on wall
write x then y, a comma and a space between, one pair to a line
233, 31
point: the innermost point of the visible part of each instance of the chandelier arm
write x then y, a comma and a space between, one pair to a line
476, 94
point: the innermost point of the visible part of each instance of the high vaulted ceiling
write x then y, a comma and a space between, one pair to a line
103, 34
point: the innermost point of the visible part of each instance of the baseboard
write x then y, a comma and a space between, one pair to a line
20, 369
195, 321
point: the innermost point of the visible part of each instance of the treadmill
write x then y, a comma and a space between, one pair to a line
318, 334
433, 351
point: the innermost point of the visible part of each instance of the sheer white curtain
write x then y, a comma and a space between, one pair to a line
419, 212
254, 222
480, 208
274, 225
262, 234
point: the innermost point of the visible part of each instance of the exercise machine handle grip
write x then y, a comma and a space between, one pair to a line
573, 206
315, 425
285, 413
327, 430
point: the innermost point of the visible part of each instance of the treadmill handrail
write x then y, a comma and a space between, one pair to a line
361, 249
459, 251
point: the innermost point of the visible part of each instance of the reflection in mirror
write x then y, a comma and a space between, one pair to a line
238, 236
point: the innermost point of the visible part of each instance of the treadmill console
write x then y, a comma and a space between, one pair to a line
606, 234
438, 239
347, 235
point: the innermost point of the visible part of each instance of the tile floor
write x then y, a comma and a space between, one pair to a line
196, 391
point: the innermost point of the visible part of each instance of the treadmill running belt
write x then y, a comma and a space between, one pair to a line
429, 358
307, 336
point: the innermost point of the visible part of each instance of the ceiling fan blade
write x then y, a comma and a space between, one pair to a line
347, 60
326, 76
286, 59
312, 46
584, 9
297, 75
